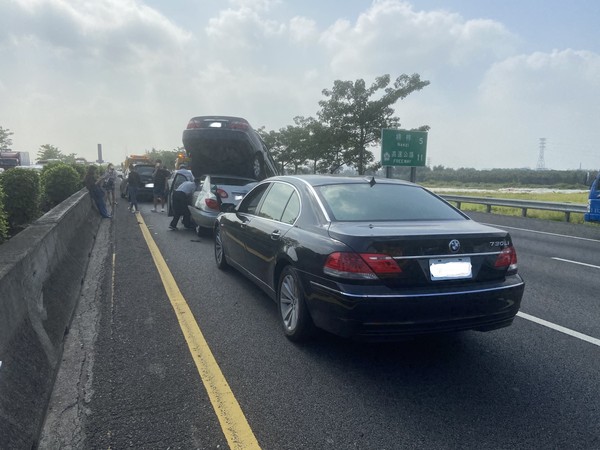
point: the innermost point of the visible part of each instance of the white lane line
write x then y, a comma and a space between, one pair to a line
576, 262
576, 334
543, 232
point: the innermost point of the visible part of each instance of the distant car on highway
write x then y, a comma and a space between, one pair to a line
369, 258
227, 145
145, 171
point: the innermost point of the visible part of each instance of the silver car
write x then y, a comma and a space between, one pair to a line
214, 191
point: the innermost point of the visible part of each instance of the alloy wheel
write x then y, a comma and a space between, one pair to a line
288, 302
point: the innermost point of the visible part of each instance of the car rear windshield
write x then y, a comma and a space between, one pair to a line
384, 202
145, 170
222, 151
231, 181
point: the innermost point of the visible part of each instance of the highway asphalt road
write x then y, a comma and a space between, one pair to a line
131, 377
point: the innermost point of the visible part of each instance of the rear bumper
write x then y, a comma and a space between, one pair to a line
378, 316
203, 218
594, 211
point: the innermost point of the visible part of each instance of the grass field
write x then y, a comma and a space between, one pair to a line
542, 195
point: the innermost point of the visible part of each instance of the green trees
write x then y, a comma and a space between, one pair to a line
355, 115
5, 140
48, 151
167, 157
349, 122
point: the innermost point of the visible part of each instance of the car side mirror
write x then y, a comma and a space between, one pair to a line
227, 207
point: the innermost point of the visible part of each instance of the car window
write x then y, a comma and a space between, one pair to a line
384, 202
292, 209
276, 200
250, 202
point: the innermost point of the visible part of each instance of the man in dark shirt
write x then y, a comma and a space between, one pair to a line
181, 199
160, 176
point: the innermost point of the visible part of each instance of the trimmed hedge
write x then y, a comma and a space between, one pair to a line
21, 197
3, 216
58, 181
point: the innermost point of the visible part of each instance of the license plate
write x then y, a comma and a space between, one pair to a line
450, 268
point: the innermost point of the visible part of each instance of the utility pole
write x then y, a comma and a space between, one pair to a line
541, 165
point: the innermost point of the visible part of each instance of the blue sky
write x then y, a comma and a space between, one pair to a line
129, 73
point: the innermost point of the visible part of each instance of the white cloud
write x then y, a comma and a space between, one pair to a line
243, 28
392, 34
303, 30
107, 31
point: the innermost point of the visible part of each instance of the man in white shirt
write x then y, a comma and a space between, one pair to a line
183, 170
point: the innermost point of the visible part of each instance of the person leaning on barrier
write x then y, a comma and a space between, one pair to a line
109, 180
92, 183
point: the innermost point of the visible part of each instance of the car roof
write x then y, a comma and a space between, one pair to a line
221, 118
321, 180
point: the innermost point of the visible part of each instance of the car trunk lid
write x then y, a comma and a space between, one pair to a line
431, 252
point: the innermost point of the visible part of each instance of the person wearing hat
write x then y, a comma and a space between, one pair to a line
183, 170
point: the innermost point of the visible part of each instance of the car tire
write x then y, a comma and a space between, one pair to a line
293, 312
220, 258
202, 232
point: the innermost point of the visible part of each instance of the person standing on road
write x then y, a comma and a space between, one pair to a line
92, 183
133, 183
181, 199
159, 177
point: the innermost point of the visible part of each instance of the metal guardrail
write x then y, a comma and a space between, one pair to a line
524, 205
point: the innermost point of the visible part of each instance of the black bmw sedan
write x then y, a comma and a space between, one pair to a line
369, 258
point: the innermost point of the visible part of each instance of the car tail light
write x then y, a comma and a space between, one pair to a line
221, 193
194, 124
366, 266
507, 259
239, 126
212, 203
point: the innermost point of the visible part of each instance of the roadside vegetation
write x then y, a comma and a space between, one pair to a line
27, 194
554, 196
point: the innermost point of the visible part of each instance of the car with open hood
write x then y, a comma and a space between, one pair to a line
226, 145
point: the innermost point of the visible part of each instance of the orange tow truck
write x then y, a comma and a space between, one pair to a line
136, 159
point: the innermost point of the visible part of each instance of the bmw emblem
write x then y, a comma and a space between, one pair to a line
454, 245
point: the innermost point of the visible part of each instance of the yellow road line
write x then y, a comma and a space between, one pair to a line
230, 415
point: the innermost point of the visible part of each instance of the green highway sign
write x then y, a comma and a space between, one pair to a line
403, 147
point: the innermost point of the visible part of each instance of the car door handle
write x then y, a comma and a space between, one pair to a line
275, 235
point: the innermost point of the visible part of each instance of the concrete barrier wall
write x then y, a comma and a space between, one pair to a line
41, 272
